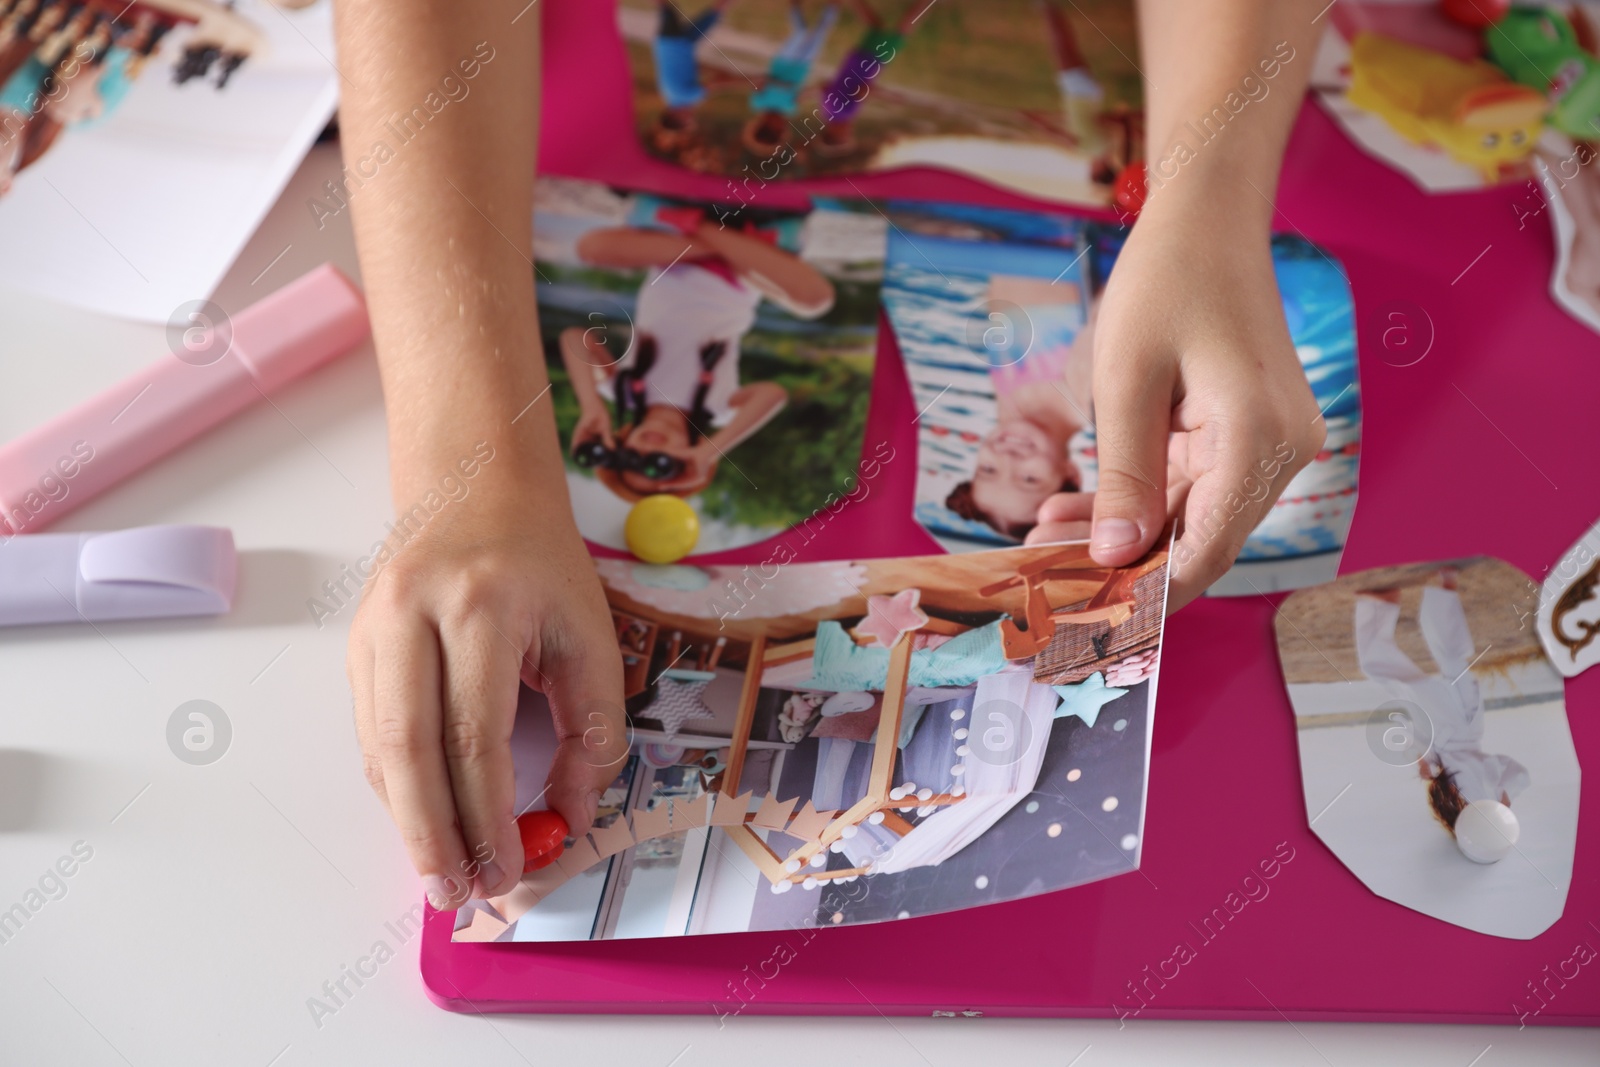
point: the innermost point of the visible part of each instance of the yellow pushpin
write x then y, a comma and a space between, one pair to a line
661, 529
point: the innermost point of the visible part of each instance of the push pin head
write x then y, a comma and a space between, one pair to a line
1486, 831
544, 834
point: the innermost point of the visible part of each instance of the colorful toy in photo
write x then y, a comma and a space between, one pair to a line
661, 529
1538, 48
1469, 110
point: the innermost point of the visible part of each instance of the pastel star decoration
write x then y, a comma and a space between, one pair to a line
889, 617
676, 703
1086, 698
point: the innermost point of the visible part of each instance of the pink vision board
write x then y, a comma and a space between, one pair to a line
1477, 448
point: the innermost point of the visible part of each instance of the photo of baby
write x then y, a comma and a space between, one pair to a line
865, 741
1039, 97
994, 314
725, 364
1434, 747
201, 108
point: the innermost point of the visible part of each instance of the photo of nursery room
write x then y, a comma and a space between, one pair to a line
945, 731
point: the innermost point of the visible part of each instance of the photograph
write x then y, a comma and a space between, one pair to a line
200, 109
1510, 97
1041, 98
1569, 607
987, 306
1459, 106
994, 311
727, 364
855, 742
1435, 754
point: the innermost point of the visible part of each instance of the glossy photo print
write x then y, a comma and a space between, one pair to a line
994, 314
1456, 106
1434, 748
718, 354
1513, 99
1043, 98
854, 742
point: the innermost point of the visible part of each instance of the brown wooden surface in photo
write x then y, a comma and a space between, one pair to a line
1316, 627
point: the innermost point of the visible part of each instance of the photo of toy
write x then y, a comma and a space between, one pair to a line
1469, 110
1538, 48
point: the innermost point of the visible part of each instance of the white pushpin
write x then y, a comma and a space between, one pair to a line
1486, 831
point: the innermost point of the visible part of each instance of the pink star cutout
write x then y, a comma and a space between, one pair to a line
889, 617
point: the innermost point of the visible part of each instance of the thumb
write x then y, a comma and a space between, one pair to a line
1133, 411
584, 687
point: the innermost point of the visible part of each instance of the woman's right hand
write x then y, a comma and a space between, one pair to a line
493, 590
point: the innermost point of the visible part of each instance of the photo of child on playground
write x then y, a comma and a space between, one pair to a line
1042, 97
725, 360
1422, 697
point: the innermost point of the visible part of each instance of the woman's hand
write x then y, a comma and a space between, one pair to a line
1191, 340
493, 590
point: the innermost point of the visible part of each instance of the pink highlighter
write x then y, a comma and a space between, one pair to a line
223, 369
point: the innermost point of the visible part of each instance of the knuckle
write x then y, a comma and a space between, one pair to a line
397, 739
1121, 494
400, 583
466, 739
424, 842
372, 767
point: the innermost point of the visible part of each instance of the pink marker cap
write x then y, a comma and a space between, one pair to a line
314, 318
53, 468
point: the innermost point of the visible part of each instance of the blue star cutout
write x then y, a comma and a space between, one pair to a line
1086, 698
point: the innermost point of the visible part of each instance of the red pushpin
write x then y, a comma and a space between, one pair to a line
1130, 190
544, 834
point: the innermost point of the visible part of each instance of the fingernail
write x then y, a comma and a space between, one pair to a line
1114, 533
591, 804
433, 887
490, 875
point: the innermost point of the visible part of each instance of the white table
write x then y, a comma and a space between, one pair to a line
218, 899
